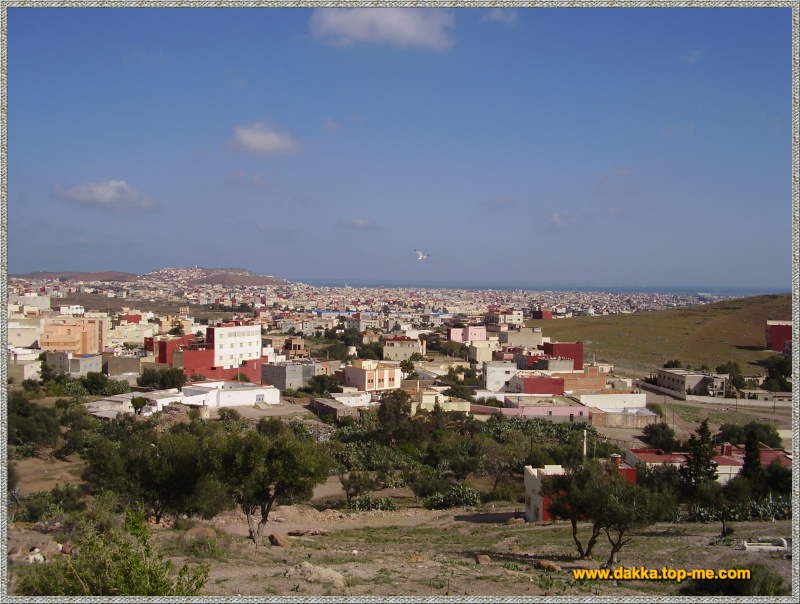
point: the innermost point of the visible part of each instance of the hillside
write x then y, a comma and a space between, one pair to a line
732, 330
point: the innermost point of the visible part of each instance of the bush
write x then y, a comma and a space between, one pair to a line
114, 563
456, 497
366, 503
763, 582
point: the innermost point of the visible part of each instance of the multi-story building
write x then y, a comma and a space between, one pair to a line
372, 376
470, 333
497, 375
400, 348
234, 343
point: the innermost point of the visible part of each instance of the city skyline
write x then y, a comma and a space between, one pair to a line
528, 145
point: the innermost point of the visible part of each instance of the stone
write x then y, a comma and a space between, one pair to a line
68, 548
279, 540
318, 574
482, 559
515, 521
549, 565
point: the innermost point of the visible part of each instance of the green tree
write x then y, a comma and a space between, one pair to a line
574, 497
259, 470
324, 384
737, 434
752, 469
660, 436
356, 484
700, 465
406, 366
394, 416
94, 382
112, 564
626, 507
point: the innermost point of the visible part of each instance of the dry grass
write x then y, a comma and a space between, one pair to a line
711, 334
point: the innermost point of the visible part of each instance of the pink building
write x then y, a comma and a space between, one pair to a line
470, 333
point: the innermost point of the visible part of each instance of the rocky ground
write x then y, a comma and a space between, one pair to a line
416, 552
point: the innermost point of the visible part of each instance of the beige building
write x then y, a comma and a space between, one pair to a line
686, 381
75, 336
368, 375
428, 399
400, 348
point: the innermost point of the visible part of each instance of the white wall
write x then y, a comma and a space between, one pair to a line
613, 401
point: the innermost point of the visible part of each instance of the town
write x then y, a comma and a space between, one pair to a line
461, 378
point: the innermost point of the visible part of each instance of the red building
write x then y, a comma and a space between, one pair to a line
569, 350
777, 333
541, 314
163, 348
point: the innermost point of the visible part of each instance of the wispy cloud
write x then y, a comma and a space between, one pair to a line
262, 139
416, 27
508, 16
562, 219
359, 224
109, 195
692, 56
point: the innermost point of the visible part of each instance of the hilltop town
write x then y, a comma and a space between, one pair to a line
459, 399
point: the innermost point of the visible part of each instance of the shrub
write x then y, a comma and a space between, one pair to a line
456, 497
114, 563
763, 582
366, 503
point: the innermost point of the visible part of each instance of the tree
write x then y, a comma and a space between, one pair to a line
260, 470
356, 484
737, 435
95, 382
661, 436
779, 370
752, 469
700, 465
673, 364
324, 384
394, 416
574, 497
416, 357
626, 507
241, 377
112, 564
406, 366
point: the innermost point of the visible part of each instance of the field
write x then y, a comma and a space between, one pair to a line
711, 334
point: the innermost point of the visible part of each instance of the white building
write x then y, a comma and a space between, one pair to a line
497, 375
229, 394
234, 344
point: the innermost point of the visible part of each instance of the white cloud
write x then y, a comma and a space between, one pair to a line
262, 139
500, 15
562, 219
692, 56
112, 195
420, 27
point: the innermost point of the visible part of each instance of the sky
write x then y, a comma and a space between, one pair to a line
642, 146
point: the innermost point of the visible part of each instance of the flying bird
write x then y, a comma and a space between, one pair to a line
421, 256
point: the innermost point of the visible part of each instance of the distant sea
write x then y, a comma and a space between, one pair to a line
542, 287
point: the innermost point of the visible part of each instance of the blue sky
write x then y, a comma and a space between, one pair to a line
601, 146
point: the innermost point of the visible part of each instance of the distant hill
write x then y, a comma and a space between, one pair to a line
73, 276
231, 277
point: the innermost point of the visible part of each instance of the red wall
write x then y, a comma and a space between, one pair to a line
777, 335
569, 350
541, 314
201, 362
543, 385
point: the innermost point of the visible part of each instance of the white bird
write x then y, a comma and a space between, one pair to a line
421, 256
